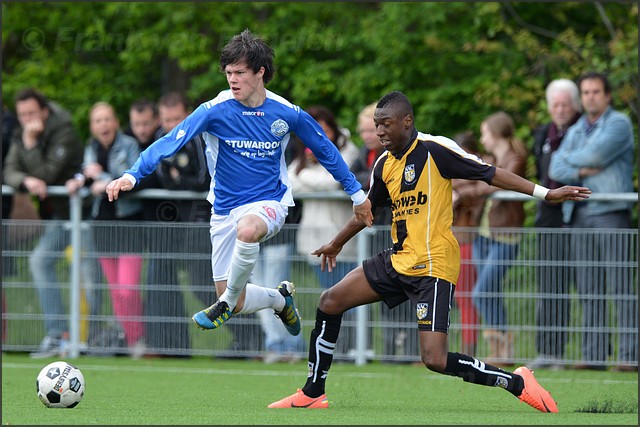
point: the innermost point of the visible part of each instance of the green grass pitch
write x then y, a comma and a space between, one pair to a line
202, 390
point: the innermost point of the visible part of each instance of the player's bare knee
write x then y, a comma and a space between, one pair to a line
327, 303
434, 362
245, 235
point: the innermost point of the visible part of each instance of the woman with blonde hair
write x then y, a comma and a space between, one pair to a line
109, 153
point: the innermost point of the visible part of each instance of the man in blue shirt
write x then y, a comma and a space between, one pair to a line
598, 152
246, 130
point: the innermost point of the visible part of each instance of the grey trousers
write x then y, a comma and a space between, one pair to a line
606, 281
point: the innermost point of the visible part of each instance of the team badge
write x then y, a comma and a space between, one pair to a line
422, 308
279, 128
409, 173
271, 213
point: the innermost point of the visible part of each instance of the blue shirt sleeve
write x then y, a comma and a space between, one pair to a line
326, 152
171, 143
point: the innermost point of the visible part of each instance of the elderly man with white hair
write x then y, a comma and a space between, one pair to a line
553, 311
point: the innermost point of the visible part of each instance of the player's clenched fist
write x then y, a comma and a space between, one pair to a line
116, 186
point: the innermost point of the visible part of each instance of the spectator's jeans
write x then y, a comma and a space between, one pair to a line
42, 262
492, 260
273, 266
602, 267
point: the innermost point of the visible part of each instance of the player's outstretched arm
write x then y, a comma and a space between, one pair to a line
116, 186
510, 181
330, 251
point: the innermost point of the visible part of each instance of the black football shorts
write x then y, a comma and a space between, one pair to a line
431, 297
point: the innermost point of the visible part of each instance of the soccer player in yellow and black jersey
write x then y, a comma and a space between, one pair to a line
414, 177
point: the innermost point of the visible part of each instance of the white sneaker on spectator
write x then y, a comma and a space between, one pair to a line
138, 350
49, 347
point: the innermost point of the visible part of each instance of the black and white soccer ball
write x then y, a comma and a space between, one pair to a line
60, 385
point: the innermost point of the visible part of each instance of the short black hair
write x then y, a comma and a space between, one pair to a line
398, 101
245, 47
143, 104
599, 76
171, 99
31, 93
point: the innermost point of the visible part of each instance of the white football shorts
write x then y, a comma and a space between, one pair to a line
223, 231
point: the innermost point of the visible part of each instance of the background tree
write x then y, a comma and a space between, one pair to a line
457, 61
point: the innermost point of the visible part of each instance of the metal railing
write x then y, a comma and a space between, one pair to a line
367, 325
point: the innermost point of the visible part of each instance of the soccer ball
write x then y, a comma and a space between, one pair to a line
60, 385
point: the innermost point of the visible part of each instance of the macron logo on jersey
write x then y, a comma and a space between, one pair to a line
180, 134
253, 113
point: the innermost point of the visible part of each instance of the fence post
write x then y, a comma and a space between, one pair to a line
75, 204
362, 312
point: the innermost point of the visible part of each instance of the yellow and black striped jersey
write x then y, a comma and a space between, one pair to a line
417, 185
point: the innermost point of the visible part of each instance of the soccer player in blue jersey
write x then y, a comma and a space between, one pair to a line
246, 129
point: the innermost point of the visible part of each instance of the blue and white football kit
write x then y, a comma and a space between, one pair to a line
245, 150
245, 155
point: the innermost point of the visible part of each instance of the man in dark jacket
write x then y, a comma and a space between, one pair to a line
552, 306
45, 150
186, 170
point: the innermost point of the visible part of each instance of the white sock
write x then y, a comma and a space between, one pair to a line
257, 298
243, 260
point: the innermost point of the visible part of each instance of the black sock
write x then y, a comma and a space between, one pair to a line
474, 371
322, 343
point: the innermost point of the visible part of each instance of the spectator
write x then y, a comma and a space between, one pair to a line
494, 248
324, 216
599, 152
108, 153
369, 152
144, 126
45, 150
246, 129
396, 342
273, 267
554, 281
144, 123
466, 218
164, 300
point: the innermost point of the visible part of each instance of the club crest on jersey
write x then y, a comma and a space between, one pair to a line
271, 213
422, 308
279, 128
409, 173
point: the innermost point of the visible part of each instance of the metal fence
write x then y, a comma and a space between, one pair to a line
546, 308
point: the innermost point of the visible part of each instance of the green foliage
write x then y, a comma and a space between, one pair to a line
457, 61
